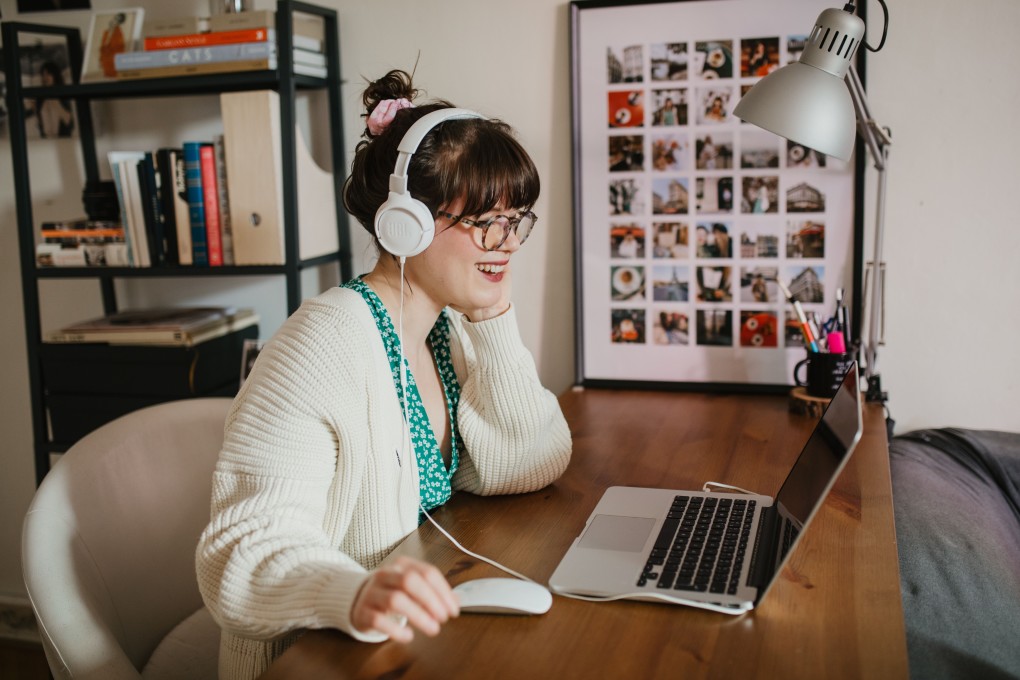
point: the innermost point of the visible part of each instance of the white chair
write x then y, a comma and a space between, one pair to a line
108, 548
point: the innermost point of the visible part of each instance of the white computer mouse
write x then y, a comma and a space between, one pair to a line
503, 596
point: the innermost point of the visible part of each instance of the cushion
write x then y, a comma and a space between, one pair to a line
956, 496
189, 652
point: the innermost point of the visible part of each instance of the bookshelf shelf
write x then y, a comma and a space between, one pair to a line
281, 80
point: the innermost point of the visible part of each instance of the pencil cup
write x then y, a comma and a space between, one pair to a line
825, 371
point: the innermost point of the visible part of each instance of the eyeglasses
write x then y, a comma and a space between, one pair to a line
495, 230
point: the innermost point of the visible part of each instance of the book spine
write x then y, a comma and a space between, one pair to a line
211, 200
165, 185
226, 229
182, 215
200, 69
136, 214
151, 210
171, 42
194, 55
196, 202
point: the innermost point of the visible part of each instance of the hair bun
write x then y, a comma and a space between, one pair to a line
394, 85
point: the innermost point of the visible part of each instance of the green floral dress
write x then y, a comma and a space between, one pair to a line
434, 478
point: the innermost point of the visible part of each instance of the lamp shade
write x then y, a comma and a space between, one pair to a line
808, 101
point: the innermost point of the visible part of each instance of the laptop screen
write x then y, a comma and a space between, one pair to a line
820, 461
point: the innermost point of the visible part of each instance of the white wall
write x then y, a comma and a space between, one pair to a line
944, 84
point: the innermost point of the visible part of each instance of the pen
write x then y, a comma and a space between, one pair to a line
838, 315
809, 339
844, 320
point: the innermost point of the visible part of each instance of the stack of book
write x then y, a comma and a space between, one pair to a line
100, 369
81, 243
242, 41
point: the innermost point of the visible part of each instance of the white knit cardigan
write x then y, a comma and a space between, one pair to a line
312, 487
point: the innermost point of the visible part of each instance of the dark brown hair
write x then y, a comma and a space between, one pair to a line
476, 159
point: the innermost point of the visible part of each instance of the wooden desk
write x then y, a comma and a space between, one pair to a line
835, 613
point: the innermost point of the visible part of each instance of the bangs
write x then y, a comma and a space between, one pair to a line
487, 168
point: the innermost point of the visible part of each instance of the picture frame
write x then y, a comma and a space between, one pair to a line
110, 32
685, 217
45, 62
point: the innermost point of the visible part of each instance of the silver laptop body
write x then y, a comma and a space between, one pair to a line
718, 551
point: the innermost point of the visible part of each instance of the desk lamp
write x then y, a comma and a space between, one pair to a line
819, 102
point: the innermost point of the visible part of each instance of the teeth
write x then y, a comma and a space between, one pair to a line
491, 268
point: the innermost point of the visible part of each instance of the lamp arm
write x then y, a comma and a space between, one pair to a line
879, 140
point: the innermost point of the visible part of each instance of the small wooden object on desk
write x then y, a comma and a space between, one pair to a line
804, 404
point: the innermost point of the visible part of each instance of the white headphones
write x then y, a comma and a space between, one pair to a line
403, 224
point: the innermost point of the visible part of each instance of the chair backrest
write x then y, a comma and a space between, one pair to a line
108, 546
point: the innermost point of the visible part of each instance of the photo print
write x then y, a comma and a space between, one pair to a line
670, 327
759, 195
715, 327
793, 333
670, 196
627, 241
799, 156
806, 283
670, 240
110, 33
626, 196
758, 56
671, 153
713, 105
628, 282
759, 240
714, 59
670, 107
713, 239
46, 63
759, 284
669, 61
714, 284
805, 239
714, 150
759, 329
759, 149
628, 326
670, 283
804, 197
625, 64
626, 153
626, 109
714, 194
795, 45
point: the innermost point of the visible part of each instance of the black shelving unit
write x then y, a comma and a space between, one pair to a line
282, 80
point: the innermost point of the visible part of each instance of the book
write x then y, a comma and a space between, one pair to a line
195, 55
311, 28
211, 203
179, 326
151, 210
252, 147
174, 26
196, 202
109, 252
114, 158
135, 218
178, 202
260, 34
226, 231
204, 69
167, 202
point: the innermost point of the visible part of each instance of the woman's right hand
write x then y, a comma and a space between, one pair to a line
403, 594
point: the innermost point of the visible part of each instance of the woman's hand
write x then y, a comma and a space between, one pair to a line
407, 591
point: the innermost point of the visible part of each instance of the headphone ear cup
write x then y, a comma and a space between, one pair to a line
404, 225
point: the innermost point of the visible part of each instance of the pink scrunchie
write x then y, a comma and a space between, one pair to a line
383, 113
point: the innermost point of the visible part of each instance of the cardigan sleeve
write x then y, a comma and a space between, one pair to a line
515, 436
265, 563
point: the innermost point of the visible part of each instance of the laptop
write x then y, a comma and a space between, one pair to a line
717, 551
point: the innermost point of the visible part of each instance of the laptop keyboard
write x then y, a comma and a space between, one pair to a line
701, 545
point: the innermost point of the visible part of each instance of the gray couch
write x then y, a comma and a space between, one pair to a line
956, 495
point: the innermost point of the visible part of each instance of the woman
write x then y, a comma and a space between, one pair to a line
53, 116
319, 477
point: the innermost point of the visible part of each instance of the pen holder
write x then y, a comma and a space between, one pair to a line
825, 371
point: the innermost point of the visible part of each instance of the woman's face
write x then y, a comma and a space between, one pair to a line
456, 270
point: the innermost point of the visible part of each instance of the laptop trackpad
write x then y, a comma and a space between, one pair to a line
612, 532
